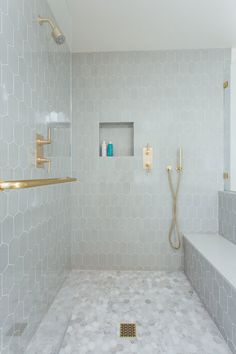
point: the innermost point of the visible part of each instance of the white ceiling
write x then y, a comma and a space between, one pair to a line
124, 25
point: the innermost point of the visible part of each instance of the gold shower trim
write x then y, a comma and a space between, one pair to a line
226, 84
30, 183
226, 175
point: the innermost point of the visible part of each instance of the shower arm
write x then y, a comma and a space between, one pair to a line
42, 20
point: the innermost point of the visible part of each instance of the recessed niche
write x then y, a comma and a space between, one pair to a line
122, 136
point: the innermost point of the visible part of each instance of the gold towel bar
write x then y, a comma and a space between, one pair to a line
29, 183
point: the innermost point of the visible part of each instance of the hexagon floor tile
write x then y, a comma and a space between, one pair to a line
86, 315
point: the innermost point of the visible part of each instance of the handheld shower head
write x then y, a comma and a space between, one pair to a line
57, 34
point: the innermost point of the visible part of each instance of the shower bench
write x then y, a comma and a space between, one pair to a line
210, 265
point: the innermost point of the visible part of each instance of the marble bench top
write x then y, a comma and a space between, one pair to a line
220, 252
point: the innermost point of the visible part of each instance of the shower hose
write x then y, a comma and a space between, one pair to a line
174, 227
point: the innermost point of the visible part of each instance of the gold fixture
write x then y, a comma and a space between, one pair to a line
41, 161
180, 161
226, 84
30, 183
57, 34
147, 158
127, 330
40, 142
174, 193
226, 175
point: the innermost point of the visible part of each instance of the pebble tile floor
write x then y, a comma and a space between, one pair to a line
86, 315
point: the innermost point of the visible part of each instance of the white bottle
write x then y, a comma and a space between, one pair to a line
104, 149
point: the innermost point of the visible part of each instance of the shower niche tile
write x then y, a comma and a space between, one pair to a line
122, 136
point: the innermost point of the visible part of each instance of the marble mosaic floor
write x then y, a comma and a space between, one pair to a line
85, 316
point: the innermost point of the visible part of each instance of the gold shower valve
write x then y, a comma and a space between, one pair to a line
147, 158
147, 151
40, 160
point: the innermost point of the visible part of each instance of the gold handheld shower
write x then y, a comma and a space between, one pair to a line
174, 223
57, 34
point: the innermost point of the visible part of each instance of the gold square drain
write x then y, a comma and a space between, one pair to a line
128, 330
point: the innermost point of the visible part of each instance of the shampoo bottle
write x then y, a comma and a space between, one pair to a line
104, 149
110, 149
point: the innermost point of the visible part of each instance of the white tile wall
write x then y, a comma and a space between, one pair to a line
217, 294
227, 110
34, 224
227, 215
120, 215
175, 98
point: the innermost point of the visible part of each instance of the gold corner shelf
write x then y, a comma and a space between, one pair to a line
30, 183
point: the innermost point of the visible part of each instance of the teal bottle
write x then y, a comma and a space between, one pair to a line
110, 149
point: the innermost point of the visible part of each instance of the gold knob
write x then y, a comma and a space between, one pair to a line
45, 141
42, 161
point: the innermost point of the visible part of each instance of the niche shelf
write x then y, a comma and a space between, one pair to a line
122, 136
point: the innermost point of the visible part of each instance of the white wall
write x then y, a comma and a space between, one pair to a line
34, 223
121, 215
232, 118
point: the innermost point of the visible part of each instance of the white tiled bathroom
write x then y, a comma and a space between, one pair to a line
118, 180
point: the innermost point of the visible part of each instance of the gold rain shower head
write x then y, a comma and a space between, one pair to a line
57, 34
